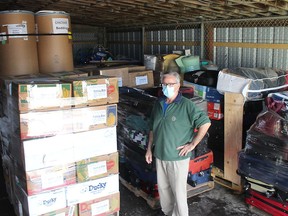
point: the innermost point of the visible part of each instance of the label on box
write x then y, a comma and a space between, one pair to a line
17, 29
99, 117
97, 168
96, 91
42, 97
141, 80
216, 106
60, 25
52, 179
100, 207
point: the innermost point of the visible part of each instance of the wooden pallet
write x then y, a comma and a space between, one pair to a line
199, 189
154, 203
218, 176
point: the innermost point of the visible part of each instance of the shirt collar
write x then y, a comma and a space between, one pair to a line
177, 99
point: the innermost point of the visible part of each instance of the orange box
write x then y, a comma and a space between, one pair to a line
215, 106
97, 167
215, 110
102, 206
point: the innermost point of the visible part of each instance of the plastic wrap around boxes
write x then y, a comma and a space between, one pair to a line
62, 159
252, 83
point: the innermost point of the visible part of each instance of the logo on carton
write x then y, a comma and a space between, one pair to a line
49, 202
97, 188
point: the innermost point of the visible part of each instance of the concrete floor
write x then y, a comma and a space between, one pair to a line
219, 201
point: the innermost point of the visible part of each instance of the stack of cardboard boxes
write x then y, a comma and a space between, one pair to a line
128, 76
215, 100
59, 145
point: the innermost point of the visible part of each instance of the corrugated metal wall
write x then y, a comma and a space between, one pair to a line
86, 39
229, 57
260, 43
125, 45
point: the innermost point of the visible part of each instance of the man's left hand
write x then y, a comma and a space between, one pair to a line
185, 149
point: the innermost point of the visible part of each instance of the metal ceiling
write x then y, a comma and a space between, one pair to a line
136, 13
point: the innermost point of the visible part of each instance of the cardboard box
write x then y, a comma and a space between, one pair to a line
42, 203
95, 90
97, 167
71, 74
136, 68
51, 123
215, 110
199, 90
68, 211
86, 191
120, 73
101, 206
68, 148
141, 79
32, 96
215, 114
37, 181
212, 95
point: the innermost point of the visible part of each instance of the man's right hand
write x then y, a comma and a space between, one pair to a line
148, 156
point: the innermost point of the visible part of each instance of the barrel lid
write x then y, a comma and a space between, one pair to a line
16, 12
49, 12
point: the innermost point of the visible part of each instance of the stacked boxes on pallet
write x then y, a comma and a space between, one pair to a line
60, 147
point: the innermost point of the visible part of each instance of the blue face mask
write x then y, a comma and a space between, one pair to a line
168, 91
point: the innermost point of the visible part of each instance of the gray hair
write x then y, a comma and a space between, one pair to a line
172, 73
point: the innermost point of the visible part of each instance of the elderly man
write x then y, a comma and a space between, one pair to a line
177, 126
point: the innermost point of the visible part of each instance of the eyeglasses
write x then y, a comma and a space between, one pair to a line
168, 84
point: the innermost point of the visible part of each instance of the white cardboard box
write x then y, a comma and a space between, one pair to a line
42, 203
68, 148
90, 190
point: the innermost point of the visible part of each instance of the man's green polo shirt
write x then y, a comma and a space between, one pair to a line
175, 126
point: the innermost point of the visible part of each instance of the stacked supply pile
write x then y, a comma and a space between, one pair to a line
60, 148
134, 110
264, 161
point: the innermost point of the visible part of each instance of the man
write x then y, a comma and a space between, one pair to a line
174, 120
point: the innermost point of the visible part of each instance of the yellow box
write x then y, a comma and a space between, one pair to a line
97, 167
102, 206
